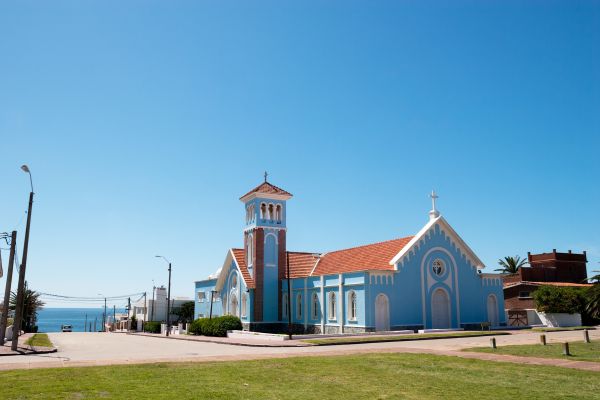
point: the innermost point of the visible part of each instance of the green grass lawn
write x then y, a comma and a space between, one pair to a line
398, 338
371, 376
580, 351
39, 339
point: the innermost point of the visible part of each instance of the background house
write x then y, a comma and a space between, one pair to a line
555, 269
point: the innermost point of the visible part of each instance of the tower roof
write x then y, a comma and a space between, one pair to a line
267, 190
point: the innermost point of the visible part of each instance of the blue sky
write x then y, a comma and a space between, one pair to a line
144, 122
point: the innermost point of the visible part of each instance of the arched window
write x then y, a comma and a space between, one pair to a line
278, 213
299, 306
284, 305
244, 305
233, 310
271, 212
332, 305
352, 306
249, 250
263, 211
315, 306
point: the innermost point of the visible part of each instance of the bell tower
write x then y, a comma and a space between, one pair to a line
265, 247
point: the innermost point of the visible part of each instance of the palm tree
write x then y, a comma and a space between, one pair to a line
593, 298
510, 265
31, 305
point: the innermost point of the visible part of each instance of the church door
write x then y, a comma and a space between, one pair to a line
382, 313
492, 310
440, 310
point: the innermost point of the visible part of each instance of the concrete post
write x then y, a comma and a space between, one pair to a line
543, 340
565, 348
493, 343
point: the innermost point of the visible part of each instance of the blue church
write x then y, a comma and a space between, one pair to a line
432, 280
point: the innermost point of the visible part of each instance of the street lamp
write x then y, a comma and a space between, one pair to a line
168, 296
21, 284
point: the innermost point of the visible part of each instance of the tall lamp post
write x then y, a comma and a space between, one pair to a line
21, 284
168, 296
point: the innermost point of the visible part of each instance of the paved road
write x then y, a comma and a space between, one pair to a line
113, 348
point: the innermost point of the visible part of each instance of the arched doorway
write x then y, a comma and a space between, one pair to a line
492, 310
382, 313
440, 309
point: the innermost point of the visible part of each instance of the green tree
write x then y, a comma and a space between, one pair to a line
510, 265
31, 305
185, 312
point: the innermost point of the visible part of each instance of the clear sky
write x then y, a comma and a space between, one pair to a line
143, 122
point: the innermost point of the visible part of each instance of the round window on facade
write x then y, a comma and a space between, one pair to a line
438, 267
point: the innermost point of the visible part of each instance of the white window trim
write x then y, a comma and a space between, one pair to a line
332, 308
352, 306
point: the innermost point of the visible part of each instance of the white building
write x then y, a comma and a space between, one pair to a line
155, 307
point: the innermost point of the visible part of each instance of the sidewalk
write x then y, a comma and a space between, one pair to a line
24, 349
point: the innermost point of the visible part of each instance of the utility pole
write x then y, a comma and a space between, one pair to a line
95, 319
11, 261
21, 286
85, 325
145, 312
104, 316
128, 307
114, 317
169, 302
212, 292
152, 312
168, 296
289, 305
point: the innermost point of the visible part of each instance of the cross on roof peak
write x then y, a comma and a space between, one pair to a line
266, 175
434, 213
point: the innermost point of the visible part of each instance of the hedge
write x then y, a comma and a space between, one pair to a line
553, 299
217, 326
152, 327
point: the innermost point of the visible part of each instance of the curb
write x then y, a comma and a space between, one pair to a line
225, 343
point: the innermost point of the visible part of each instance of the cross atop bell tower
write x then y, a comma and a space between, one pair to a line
434, 213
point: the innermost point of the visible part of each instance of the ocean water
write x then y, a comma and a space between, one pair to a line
51, 319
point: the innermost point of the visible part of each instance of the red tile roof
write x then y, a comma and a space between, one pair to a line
240, 259
267, 188
561, 284
369, 257
301, 264
376, 256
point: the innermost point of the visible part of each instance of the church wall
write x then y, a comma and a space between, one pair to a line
466, 288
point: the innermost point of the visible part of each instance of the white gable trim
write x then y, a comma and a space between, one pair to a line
450, 232
225, 271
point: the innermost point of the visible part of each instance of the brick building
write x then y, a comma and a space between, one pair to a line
555, 269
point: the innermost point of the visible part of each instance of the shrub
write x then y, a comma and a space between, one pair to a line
195, 328
217, 326
133, 326
152, 327
553, 299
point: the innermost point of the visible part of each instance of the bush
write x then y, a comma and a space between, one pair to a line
133, 326
152, 327
553, 299
217, 326
195, 328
